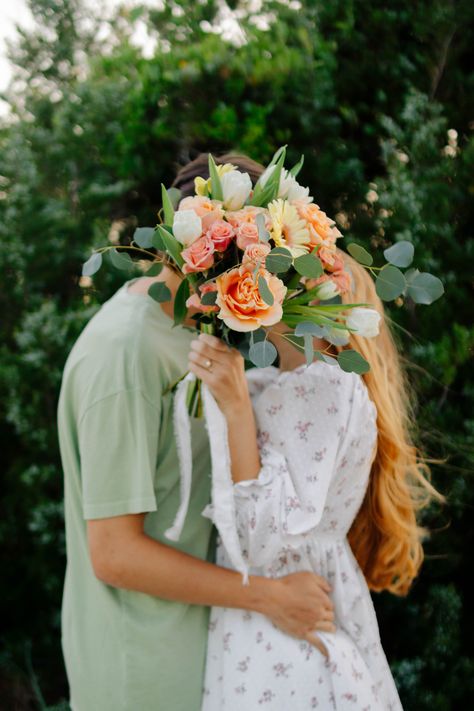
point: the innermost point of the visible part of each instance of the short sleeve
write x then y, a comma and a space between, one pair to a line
118, 447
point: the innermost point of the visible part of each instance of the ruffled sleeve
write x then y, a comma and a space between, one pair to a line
307, 426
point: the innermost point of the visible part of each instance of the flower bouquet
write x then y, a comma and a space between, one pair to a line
251, 256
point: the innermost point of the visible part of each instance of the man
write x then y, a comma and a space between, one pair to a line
135, 605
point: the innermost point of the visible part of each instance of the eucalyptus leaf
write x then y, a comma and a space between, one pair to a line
425, 288
263, 234
155, 269
352, 362
209, 298
120, 260
262, 354
308, 348
360, 254
159, 291
264, 290
308, 265
311, 328
327, 359
157, 241
168, 209
390, 283
400, 254
143, 236
278, 260
92, 265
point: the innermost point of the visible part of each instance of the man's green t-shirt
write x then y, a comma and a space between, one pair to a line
125, 650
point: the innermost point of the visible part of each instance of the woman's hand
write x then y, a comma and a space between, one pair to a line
226, 377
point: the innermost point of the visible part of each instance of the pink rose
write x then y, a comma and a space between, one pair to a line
199, 256
208, 210
221, 233
253, 253
247, 233
195, 300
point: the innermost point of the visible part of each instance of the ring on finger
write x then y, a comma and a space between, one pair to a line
208, 364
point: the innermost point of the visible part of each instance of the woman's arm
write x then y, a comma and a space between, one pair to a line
229, 386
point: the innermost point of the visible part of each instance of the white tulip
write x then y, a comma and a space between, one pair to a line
337, 336
187, 226
289, 188
327, 290
365, 321
236, 187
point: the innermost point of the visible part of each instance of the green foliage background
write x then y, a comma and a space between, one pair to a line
379, 98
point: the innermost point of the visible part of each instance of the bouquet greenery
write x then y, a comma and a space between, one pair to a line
251, 256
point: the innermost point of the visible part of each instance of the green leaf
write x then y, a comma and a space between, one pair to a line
209, 298
155, 269
278, 260
216, 190
263, 234
304, 327
179, 307
168, 209
171, 244
159, 291
308, 348
120, 260
264, 290
390, 283
424, 288
262, 353
143, 236
296, 168
92, 265
157, 241
174, 195
401, 253
262, 196
352, 362
308, 265
360, 254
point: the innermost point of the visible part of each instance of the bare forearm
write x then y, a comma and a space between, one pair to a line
151, 567
242, 438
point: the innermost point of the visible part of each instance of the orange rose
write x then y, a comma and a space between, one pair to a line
247, 233
254, 253
208, 210
241, 305
321, 227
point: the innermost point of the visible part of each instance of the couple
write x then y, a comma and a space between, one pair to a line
319, 459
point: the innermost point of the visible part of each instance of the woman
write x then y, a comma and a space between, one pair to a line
325, 478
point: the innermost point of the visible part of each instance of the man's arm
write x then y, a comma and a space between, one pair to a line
124, 556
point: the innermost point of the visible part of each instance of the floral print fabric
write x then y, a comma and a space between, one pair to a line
317, 434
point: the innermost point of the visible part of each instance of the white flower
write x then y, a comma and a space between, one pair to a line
327, 290
187, 226
289, 188
365, 321
236, 187
336, 336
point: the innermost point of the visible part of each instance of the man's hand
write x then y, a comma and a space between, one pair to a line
123, 556
301, 605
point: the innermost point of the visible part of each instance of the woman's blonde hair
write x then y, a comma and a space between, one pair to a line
385, 536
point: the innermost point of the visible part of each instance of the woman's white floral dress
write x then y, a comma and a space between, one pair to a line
317, 436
